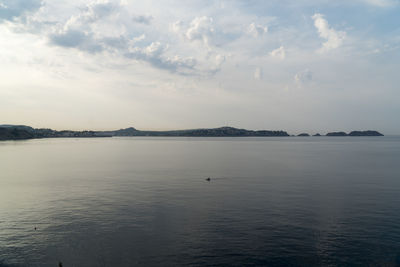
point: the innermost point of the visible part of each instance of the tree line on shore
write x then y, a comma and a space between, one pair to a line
21, 132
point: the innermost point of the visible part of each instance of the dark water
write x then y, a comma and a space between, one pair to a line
145, 202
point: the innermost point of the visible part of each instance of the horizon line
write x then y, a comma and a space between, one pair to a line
188, 129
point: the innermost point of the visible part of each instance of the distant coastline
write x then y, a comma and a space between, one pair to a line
22, 132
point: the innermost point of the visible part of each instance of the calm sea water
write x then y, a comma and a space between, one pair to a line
145, 202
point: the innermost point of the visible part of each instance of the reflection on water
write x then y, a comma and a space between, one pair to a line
145, 201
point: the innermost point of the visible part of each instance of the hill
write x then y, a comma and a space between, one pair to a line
19, 132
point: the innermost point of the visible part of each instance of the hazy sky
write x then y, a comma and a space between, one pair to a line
301, 65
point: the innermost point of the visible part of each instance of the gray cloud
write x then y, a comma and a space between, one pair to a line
153, 54
11, 9
143, 19
76, 39
77, 31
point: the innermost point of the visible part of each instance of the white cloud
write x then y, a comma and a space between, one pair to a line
137, 39
154, 49
279, 53
219, 60
201, 28
177, 26
93, 11
258, 73
95, 30
257, 30
333, 38
303, 77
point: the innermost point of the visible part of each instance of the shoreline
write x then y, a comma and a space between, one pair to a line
22, 132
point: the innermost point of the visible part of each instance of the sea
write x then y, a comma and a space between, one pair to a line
147, 201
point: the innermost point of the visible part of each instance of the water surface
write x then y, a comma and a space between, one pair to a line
144, 201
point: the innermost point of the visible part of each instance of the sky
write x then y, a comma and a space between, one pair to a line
300, 66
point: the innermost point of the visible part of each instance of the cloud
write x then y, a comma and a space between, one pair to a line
143, 19
303, 77
92, 31
219, 60
278, 53
11, 9
201, 28
257, 30
69, 38
154, 54
78, 31
381, 3
78, 39
333, 38
258, 73
93, 11
177, 26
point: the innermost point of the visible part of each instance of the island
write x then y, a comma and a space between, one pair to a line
356, 133
336, 134
365, 133
22, 132
303, 134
